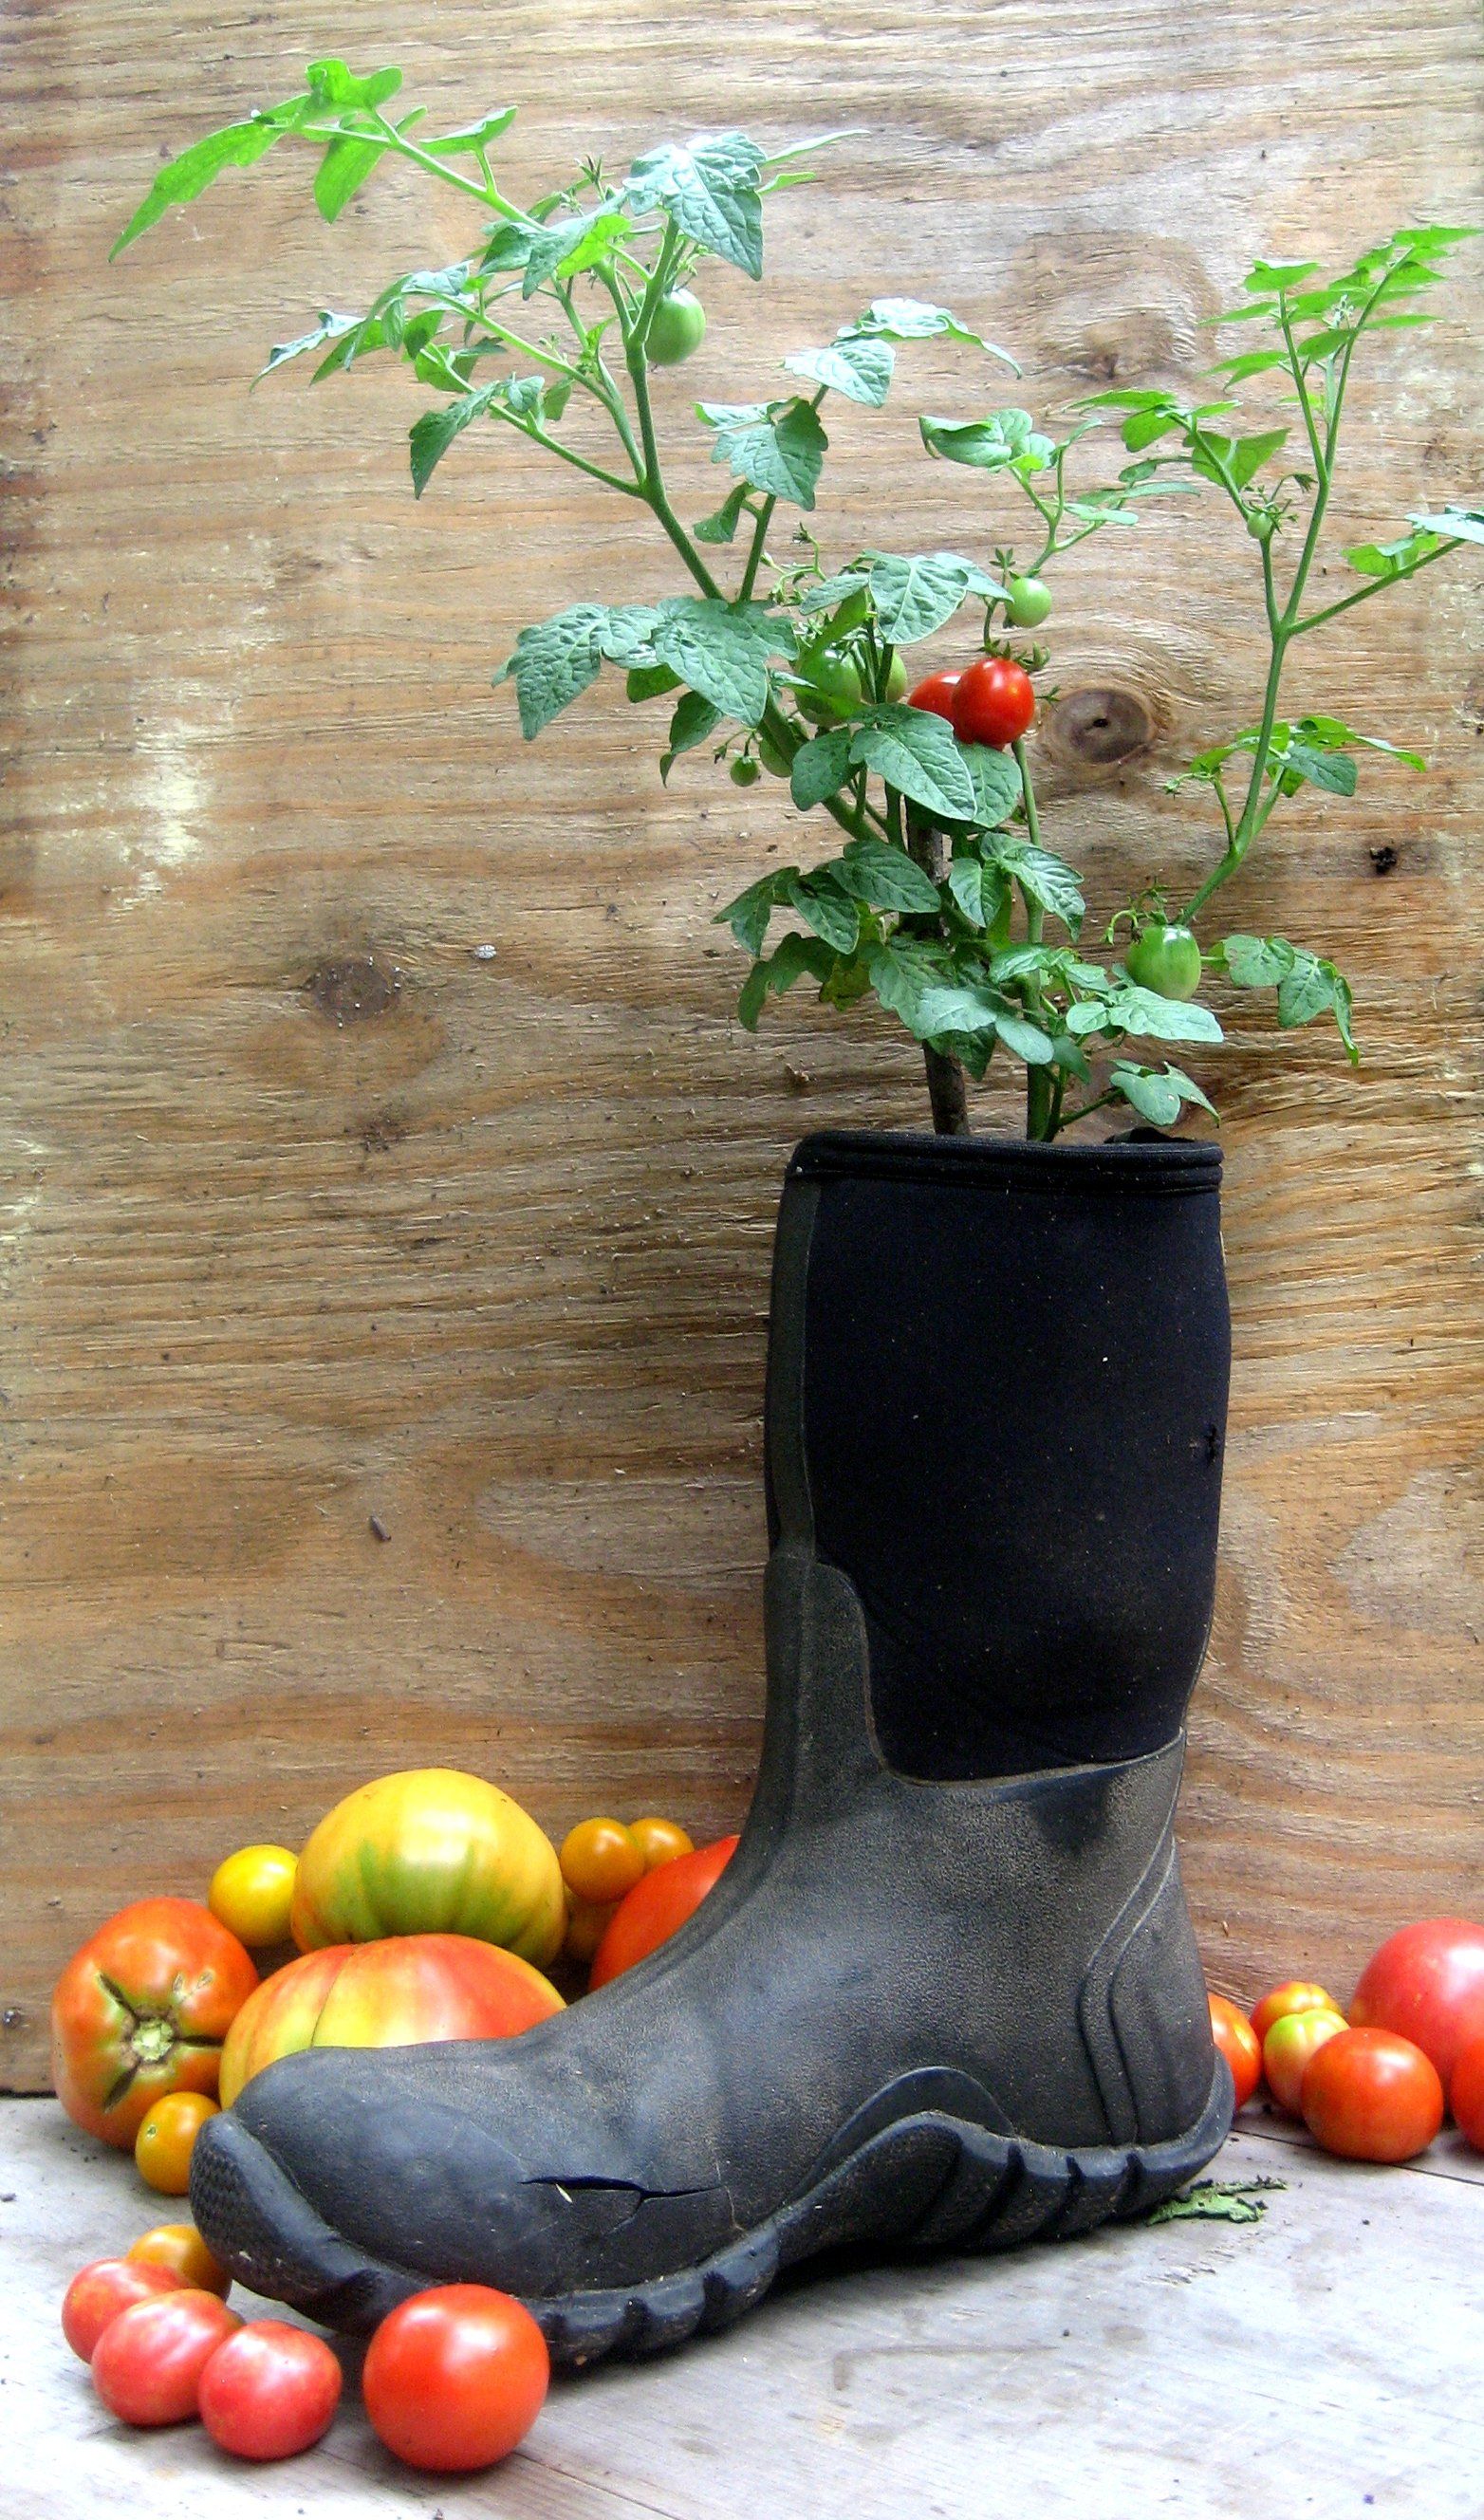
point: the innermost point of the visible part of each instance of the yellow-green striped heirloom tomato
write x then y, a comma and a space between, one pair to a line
397, 1994
431, 1851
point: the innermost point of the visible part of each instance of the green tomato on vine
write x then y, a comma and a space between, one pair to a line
677, 327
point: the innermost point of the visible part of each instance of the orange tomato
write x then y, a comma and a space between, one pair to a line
1372, 2095
400, 1993
1294, 2039
657, 1906
166, 2138
601, 1861
1233, 2035
1295, 1995
141, 2010
179, 2248
659, 1841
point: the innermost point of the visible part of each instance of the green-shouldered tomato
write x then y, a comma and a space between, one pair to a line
431, 1851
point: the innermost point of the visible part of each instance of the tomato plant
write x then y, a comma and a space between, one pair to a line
658, 1905
677, 329
252, 1894
400, 1993
98, 2294
179, 2248
270, 2391
1295, 1995
1233, 2035
166, 2138
943, 899
659, 1840
1427, 1984
147, 2362
431, 1851
1294, 2039
1371, 2095
994, 703
142, 2010
600, 1860
1465, 2090
456, 2377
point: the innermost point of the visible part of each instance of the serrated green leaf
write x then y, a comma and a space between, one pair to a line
186, 177
1266, 278
820, 768
1048, 879
777, 447
1334, 772
914, 596
1004, 438
332, 83
825, 907
329, 327
341, 171
431, 437
554, 662
1257, 962
1148, 1016
914, 753
722, 651
861, 370
572, 246
747, 916
1154, 1096
650, 682
710, 189
692, 721
721, 525
885, 877
913, 319
1455, 524
472, 136
966, 882
996, 781
1250, 454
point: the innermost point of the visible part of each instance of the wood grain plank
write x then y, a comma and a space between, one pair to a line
312, 1214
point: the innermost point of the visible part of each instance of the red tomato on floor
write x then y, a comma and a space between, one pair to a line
269, 2391
456, 2377
1427, 1985
1233, 2035
97, 2295
1465, 2092
657, 1906
1372, 2096
1295, 1995
147, 2362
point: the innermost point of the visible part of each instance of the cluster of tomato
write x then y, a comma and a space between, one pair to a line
1376, 2087
629, 1887
452, 2380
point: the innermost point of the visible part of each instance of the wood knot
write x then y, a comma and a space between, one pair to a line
354, 987
1101, 723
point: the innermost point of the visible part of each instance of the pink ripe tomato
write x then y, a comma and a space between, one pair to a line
269, 2391
147, 2362
1427, 1985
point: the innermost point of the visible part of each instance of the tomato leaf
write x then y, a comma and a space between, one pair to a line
885, 877
914, 753
693, 719
722, 651
860, 369
777, 447
916, 596
820, 768
553, 662
710, 189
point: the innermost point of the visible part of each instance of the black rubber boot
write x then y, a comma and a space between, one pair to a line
946, 1992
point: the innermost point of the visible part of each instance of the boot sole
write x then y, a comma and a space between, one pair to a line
930, 2181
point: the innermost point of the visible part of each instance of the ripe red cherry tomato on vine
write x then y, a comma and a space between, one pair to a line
269, 2391
1426, 1984
147, 2362
1166, 959
1233, 2035
677, 326
456, 2377
935, 692
994, 703
1372, 2096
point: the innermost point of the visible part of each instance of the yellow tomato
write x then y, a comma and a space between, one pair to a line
252, 1894
599, 1861
166, 2138
659, 1841
180, 2247
429, 1852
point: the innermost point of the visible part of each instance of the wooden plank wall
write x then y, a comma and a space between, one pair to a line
313, 1213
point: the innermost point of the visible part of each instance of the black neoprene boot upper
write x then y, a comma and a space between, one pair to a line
946, 1992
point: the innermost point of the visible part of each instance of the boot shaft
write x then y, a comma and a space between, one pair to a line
997, 1404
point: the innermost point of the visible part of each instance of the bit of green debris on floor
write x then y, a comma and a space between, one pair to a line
1218, 2201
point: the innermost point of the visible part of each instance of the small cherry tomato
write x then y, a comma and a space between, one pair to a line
147, 2362
1372, 2096
659, 1841
269, 2391
935, 692
586, 1927
1294, 2039
896, 676
677, 327
180, 2247
744, 771
454, 2377
252, 1892
1295, 1995
599, 1861
1465, 2092
166, 2138
772, 757
835, 685
657, 1906
1232, 2033
1426, 1984
96, 2296
1030, 600
994, 703
1166, 959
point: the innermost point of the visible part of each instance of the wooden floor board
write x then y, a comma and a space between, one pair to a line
1170, 2370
